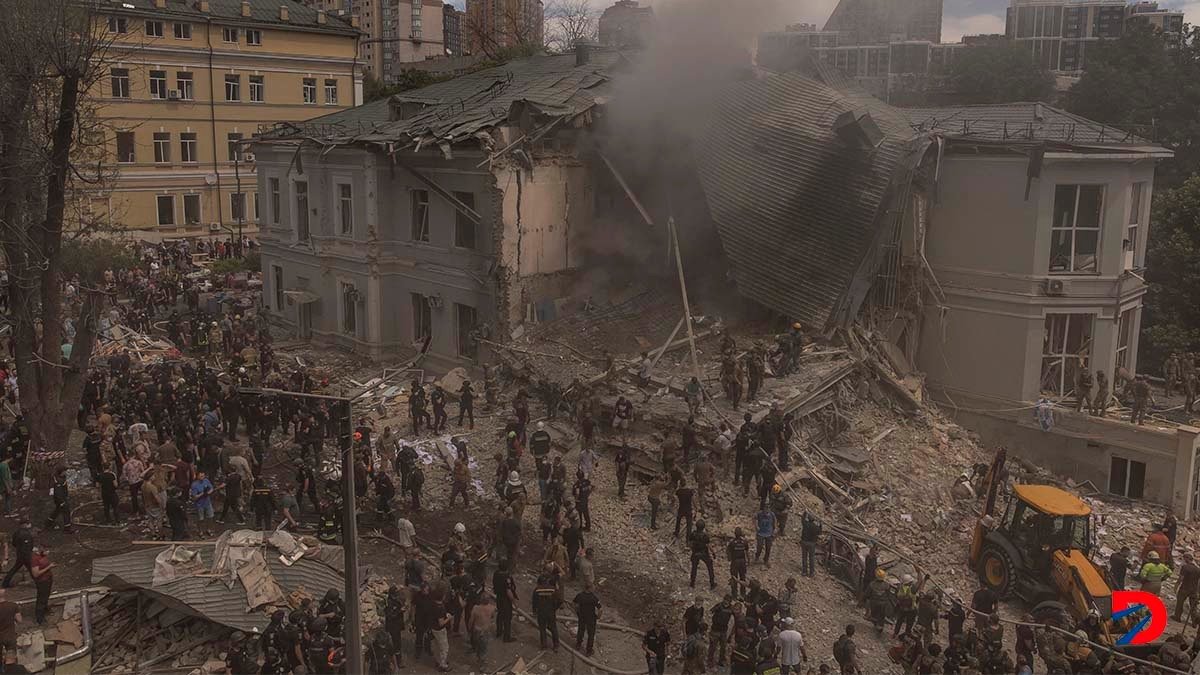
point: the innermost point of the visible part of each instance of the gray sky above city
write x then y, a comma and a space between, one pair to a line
962, 17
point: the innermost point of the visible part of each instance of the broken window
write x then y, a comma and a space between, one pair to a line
126, 148
301, 188
420, 215
277, 282
1127, 477
464, 227
345, 209
191, 209
422, 317
273, 188
466, 320
1075, 235
349, 309
1066, 347
1124, 336
1135, 221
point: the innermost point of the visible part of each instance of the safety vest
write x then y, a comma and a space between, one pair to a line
1154, 571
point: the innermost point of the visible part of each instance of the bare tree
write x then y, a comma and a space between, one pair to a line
568, 23
512, 28
55, 57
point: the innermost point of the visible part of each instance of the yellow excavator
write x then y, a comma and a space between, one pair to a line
1038, 549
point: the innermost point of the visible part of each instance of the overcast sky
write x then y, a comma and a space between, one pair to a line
961, 17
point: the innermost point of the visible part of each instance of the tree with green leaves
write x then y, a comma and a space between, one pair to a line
55, 58
1172, 311
1147, 82
998, 74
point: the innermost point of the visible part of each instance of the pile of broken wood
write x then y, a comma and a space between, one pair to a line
133, 633
140, 346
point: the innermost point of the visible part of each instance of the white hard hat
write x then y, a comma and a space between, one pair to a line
541, 425
907, 578
460, 528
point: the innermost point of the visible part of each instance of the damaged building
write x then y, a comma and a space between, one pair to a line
991, 252
446, 213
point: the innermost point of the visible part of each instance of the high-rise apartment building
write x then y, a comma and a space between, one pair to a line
189, 82
395, 32
867, 22
626, 24
1060, 32
452, 38
493, 25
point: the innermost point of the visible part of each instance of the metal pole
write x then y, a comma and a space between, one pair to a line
353, 628
241, 215
687, 309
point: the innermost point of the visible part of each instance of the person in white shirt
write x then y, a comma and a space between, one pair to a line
406, 533
791, 648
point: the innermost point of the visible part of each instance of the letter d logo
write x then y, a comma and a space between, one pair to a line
1149, 628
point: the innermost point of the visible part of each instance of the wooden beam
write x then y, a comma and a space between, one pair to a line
462, 208
687, 310
628, 190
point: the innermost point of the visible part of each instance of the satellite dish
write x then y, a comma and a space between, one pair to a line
211, 179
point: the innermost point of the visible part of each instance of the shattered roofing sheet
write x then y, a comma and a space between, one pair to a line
207, 596
300, 15
798, 211
457, 108
1016, 122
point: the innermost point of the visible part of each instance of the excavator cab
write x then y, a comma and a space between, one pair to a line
1038, 549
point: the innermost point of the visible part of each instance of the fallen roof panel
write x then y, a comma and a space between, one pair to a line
798, 210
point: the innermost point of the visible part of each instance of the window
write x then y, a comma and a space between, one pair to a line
277, 286
229, 35
183, 31
126, 149
233, 87
120, 82
1124, 336
154, 29
118, 24
1075, 237
310, 90
253, 37
273, 188
188, 151
464, 228
162, 147
330, 92
349, 309
235, 147
1066, 348
420, 215
254, 196
191, 209
237, 206
257, 89
158, 84
301, 210
466, 322
166, 210
345, 209
185, 83
1127, 477
1136, 196
422, 317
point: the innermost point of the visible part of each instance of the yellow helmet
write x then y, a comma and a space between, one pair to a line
880, 574
776, 488
796, 325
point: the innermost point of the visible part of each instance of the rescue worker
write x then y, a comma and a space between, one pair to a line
1143, 399
700, 544
906, 603
1171, 372
545, 605
738, 552
877, 594
1100, 397
1083, 388
1153, 573
395, 611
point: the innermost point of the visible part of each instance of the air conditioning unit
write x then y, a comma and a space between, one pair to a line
214, 227
435, 301
173, 95
1057, 287
247, 156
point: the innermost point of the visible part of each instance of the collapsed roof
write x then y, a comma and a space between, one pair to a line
801, 179
234, 581
547, 87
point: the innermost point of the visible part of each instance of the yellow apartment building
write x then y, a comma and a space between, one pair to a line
190, 80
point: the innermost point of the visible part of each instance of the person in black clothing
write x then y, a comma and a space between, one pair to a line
108, 494
385, 491
654, 645
587, 608
955, 618
22, 547
319, 648
437, 398
415, 481
573, 539
406, 460
693, 616
624, 461
684, 511
545, 604
721, 615
466, 404
333, 610
233, 496
738, 552
238, 660
62, 502
91, 452
539, 444
505, 590
176, 514
381, 654
583, 493
394, 612
262, 502
810, 532
700, 543
306, 484
984, 604
1118, 567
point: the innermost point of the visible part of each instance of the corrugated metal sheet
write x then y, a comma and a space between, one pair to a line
1016, 122
799, 211
208, 596
265, 12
